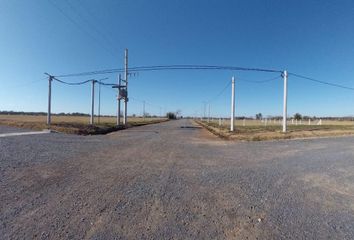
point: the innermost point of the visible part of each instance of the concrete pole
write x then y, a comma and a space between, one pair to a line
232, 104
126, 86
208, 112
49, 115
92, 102
285, 76
204, 107
118, 110
99, 101
144, 110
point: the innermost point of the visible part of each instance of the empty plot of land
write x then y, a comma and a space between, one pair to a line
174, 180
257, 130
72, 124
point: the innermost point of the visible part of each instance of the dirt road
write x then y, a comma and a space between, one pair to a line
174, 181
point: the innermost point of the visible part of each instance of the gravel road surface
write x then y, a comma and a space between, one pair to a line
7, 129
174, 180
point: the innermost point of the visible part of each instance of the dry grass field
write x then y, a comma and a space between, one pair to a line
72, 124
256, 130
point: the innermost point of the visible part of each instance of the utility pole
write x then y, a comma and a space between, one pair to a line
232, 104
126, 86
209, 112
99, 101
92, 102
144, 110
49, 115
285, 76
118, 97
204, 107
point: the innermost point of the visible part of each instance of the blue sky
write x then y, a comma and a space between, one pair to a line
313, 38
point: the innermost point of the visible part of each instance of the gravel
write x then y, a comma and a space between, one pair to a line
174, 181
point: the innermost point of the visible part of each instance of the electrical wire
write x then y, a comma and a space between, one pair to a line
107, 34
322, 82
86, 81
106, 84
169, 67
72, 83
261, 81
88, 23
73, 21
229, 82
221, 92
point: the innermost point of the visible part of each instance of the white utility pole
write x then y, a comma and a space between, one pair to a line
49, 115
126, 87
232, 104
118, 96
92, 102
99, 101
208, 112
285, 76
144, 110
204, 110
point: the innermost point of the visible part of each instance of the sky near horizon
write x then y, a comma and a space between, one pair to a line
312, 38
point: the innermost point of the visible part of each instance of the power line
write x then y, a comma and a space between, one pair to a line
84, 82
261, 81
322, 82
73, 21
72, 83
109, 37
92, 73
146, 102
169, 67
221, 92
107, 84
92, 26
228, 84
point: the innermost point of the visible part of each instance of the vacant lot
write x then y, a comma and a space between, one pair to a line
72, 124
256, 130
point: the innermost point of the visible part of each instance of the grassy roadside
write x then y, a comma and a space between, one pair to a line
263, 133
73, 124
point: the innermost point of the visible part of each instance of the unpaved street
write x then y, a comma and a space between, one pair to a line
174, 181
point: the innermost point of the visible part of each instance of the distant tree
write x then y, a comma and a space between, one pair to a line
259, 116
171, 115
297, 116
